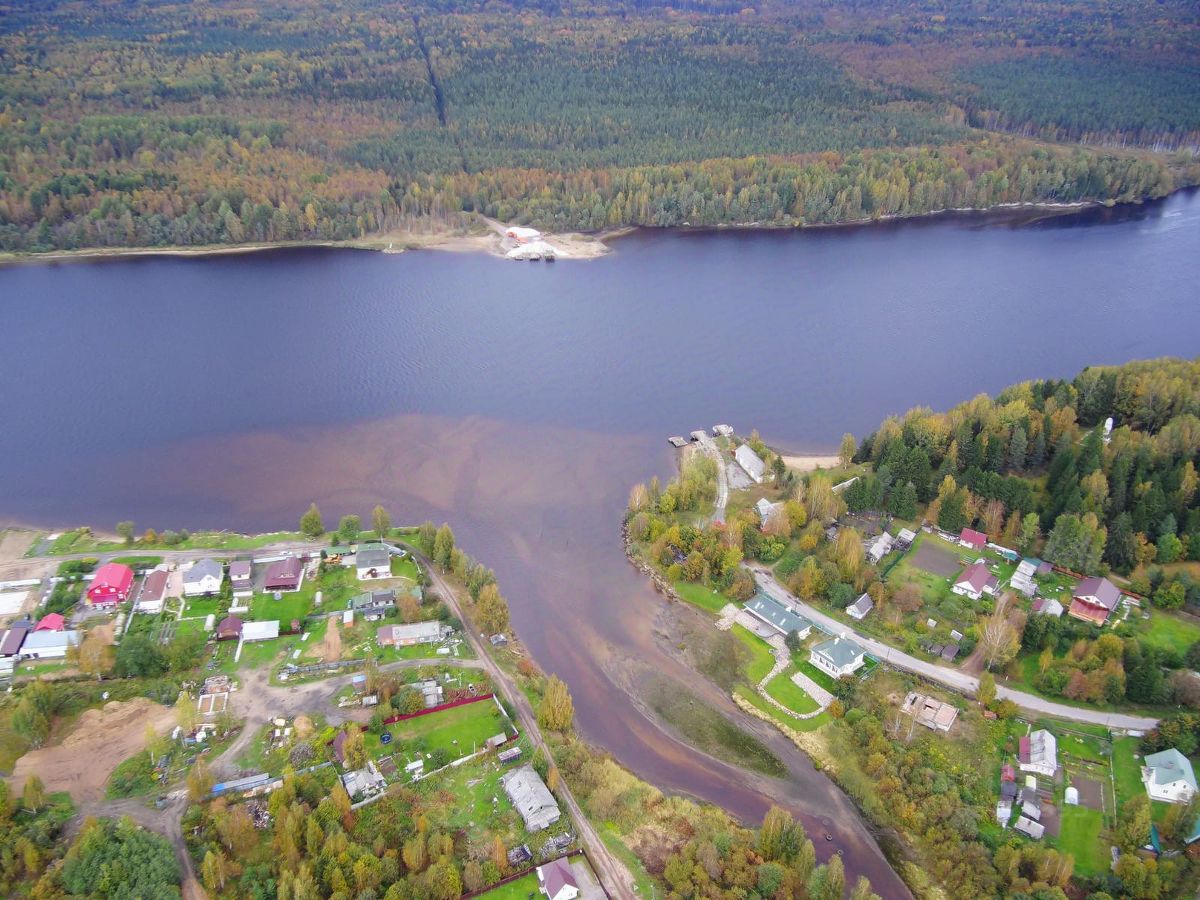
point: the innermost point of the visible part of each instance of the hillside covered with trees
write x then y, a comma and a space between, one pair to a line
155, 124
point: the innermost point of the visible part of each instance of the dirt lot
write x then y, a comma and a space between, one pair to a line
101, 739
1091, 792
330, 649
935, 559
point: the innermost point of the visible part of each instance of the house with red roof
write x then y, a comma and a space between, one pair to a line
110, 585
1094, 600
284, 575
975, 581
153, 594
969, 537
51, 622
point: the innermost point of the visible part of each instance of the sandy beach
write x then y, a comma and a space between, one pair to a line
811, 463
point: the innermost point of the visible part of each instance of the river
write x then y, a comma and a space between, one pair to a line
520, 401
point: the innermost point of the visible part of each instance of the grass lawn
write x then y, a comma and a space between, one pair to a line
190, 626
296, 605
138, 562
1167, 631
791, 695
761, 661
699, 595
793, 722
821, 678
1127, 770
470, 725
80, 541
1079, 835
202, 606
1089, 748
521, 889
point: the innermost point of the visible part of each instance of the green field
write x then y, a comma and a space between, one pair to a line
82, 541
521, 889
699, 595
821, 678
459, 731
791, 695
1169, 631
1127, 771
761, 661
793, 722
1079, 835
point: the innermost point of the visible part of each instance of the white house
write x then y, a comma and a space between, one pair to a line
975, 581
556, 881
860, 607
151, 597
1038, 752
765, 510
837, 657
880, 547
372, 561
1168, 775
750, 463
204, 577
1022, 579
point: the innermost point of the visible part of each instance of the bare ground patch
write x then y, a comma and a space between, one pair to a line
932, 558
101, 739
330, 649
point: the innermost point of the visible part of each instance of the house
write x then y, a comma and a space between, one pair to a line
372, 561
531, 798
772, 612
152, 595
1167, 775
407, 635
975, 581
432, 692
49, 644
1029, 828
110, 585
973, 539
1022, 579
1008, 773
230, 629
765, 509
364, 782
241, 574
202, 578
373, 605
879, 548
1047, 606
1094, 599
284, 575
837, 657
11, 643
556, 880
51, 622
750, 463
260, 631
1038, 752
508, 755
523, 235
860, 607
930, 712
905, 538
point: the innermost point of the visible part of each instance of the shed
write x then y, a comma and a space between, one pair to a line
229, 629
260, 631
49, 644
51, 622
1071, 798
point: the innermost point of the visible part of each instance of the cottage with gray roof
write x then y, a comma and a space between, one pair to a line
203, 577
778, 616
373, 605
837, 657
860, 607
531, 798
1168, 776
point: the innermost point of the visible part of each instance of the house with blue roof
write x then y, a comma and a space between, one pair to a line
1168, 776
772, 612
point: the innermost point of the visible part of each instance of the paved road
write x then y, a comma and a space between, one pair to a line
952, 678
613, 873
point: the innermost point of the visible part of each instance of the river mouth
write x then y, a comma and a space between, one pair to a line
541, 506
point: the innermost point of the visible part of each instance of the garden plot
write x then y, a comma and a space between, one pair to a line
929, 557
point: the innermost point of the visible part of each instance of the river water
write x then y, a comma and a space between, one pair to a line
520, 401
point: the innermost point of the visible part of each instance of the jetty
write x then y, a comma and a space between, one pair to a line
677, 442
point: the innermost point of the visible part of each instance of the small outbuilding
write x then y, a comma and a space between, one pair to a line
860, 607
51, 622
229, 629
49, 644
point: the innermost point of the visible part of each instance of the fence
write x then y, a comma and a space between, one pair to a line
441, 706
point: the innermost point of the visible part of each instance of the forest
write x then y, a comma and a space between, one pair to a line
151, 124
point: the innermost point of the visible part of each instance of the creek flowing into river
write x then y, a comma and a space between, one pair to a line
520, 401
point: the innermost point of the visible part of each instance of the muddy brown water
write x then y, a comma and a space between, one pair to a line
519, 402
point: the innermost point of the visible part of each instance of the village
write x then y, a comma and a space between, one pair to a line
340, 664
1061, 773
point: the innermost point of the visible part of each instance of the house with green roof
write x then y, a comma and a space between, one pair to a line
1168, 776
837, 657
779, 617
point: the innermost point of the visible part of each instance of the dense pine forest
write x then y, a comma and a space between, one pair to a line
151, 123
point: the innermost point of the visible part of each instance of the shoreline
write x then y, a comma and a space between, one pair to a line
570, 245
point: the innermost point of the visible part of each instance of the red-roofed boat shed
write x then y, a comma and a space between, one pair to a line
110, 586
